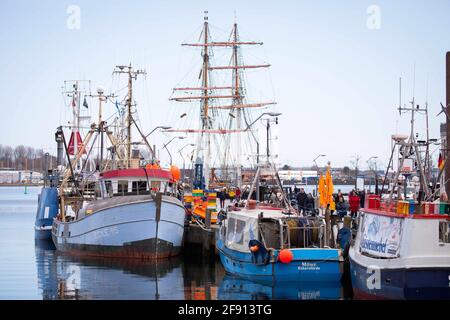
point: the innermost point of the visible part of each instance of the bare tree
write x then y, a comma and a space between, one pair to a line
30, 155
355, 164
2, 156
7, 155
19, 155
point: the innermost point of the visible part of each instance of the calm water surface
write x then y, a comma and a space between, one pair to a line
30, 270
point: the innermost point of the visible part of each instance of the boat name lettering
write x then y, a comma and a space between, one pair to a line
308, 266
378, 246
309, 295
105, 232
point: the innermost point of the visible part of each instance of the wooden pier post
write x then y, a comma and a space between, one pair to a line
206, 245
208, 219
327, 226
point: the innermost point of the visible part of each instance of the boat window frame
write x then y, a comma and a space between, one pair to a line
230, 229
120, 185
107, 188
239, 230
444, 232
136, 186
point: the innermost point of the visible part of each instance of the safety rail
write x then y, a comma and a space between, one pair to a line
307, 236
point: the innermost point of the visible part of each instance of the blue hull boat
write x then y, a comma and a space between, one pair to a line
307, 265
265, 245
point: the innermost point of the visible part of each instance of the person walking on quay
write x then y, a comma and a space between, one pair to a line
238, 194
354, 203
362, 198
341, 207
309, 204
301, 200
232, 195
222, 196
245, 193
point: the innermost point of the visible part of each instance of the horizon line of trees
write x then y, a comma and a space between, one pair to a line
22, 158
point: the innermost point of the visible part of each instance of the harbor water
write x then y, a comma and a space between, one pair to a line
33, 270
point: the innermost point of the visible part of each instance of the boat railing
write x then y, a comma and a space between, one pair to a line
306, 236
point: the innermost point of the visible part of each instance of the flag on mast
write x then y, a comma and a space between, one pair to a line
441, 162
71, 146
85, 104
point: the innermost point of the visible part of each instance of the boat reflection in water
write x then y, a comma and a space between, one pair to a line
68, 277
189, 278
233, 288
46, 268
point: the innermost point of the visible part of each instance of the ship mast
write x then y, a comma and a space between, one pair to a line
209, 92
205, 119
412, 147
132, 75
76, 118
237, 101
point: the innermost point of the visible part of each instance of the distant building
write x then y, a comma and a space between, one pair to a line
16, 176
297, 175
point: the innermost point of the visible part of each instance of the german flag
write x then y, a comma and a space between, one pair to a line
441, 162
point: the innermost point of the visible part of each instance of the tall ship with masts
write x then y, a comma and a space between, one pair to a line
130, 208
226, 115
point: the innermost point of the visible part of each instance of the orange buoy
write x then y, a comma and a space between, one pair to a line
176, 174
254, 248
285, 256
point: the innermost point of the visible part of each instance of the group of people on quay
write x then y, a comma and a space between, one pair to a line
235, 195
306, 203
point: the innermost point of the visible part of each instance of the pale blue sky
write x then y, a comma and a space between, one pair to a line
335, 80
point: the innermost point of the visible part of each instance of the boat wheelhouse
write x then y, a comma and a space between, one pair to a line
268, 244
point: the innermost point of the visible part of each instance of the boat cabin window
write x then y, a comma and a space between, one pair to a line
444, 231
270, 233
239, 234
139, 187
122, 187
230, 228
108, 188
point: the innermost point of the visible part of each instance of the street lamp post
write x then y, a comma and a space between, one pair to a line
158, 127
317, 169
271, 114
165, 146
179, 151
